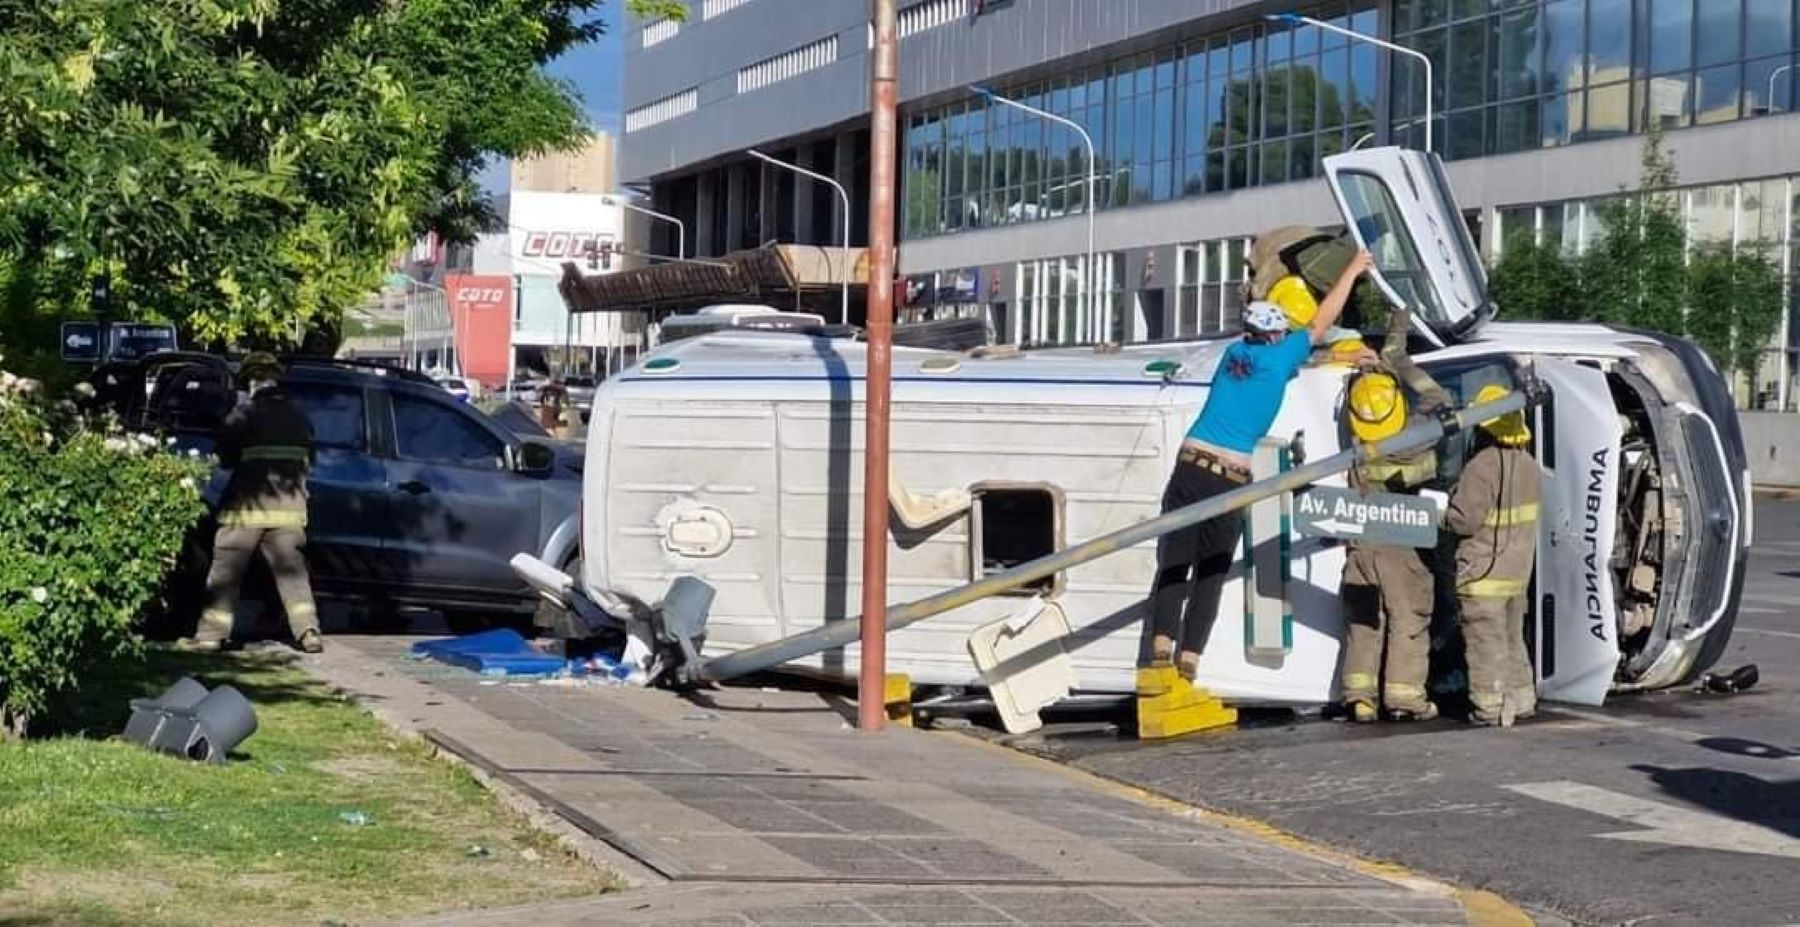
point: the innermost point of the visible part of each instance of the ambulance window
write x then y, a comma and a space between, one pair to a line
1464, 379
1380, 226
1014, 525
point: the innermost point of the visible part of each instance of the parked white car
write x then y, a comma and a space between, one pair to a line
465, 389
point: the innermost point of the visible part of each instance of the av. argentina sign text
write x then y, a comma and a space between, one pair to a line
1373, 518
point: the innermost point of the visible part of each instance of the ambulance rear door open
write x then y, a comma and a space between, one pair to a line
1398, 205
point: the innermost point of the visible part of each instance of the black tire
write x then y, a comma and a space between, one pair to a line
545, 615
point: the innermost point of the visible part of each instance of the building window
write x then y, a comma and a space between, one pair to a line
1532, 73
659, 31
714, 8
930, 14
663, 110
1053, 302
1209, 288
1255, 105
1014, 525
1759, 215
788, 64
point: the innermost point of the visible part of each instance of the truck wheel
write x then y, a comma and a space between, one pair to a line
548, 617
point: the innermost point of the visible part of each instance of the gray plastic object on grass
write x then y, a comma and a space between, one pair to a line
188, 721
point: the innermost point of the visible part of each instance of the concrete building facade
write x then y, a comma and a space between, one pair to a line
1208, 122
589, 169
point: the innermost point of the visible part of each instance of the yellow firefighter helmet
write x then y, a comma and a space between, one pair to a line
1295, 299
1508, 429
1377, 407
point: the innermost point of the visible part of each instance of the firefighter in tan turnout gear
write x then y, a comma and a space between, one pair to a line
1494, 510
267, 444
1388, 591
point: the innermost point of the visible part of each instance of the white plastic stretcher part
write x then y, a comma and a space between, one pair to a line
555, 585
1024, 663
550, 582
917, 511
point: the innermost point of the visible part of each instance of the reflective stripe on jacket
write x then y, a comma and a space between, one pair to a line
1495, 510
267, 443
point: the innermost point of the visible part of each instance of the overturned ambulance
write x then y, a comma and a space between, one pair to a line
736, 458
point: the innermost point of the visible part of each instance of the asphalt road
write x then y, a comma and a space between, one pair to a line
1669, 808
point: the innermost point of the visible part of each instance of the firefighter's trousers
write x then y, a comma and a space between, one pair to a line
1499, 666
1387, 594
233, 548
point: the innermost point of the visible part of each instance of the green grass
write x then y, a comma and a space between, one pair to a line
100, 831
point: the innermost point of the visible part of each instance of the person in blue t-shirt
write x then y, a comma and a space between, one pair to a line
1246, 394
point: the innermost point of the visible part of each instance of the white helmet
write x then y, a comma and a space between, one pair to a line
1265, 317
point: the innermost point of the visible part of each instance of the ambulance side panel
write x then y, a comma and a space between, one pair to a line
1100, 467
674, 460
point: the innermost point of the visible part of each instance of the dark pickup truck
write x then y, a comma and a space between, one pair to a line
416, 499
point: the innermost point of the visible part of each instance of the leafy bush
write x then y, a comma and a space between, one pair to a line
90, 522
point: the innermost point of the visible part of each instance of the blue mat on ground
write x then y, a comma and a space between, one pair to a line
498, 653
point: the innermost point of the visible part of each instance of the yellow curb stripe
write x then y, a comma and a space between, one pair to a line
1484, 909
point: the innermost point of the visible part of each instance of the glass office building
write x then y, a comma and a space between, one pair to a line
1200, 131
1262, 103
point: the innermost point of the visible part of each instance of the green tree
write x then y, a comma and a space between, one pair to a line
246, 167
1635, 272
1534, 281
1736, 306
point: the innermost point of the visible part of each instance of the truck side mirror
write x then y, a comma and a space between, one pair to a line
534, 458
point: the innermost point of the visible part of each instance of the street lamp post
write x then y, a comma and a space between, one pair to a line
680, 227
1773, 76
844, 196
1295, 19
1092, 206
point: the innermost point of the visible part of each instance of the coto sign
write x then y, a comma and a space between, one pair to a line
479, 296
557, 244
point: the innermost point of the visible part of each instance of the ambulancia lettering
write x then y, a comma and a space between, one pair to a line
1592, 560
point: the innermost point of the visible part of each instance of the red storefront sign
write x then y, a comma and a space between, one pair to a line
481, 315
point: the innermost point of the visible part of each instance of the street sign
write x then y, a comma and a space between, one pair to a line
134, 340
1373, 518
79, 342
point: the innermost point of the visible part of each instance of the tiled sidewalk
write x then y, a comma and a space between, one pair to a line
752, 807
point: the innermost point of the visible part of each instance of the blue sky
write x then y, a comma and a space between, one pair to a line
595, 72
594, 69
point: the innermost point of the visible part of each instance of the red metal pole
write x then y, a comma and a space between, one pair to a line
871, 687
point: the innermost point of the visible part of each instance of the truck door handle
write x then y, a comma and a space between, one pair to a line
414, 487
